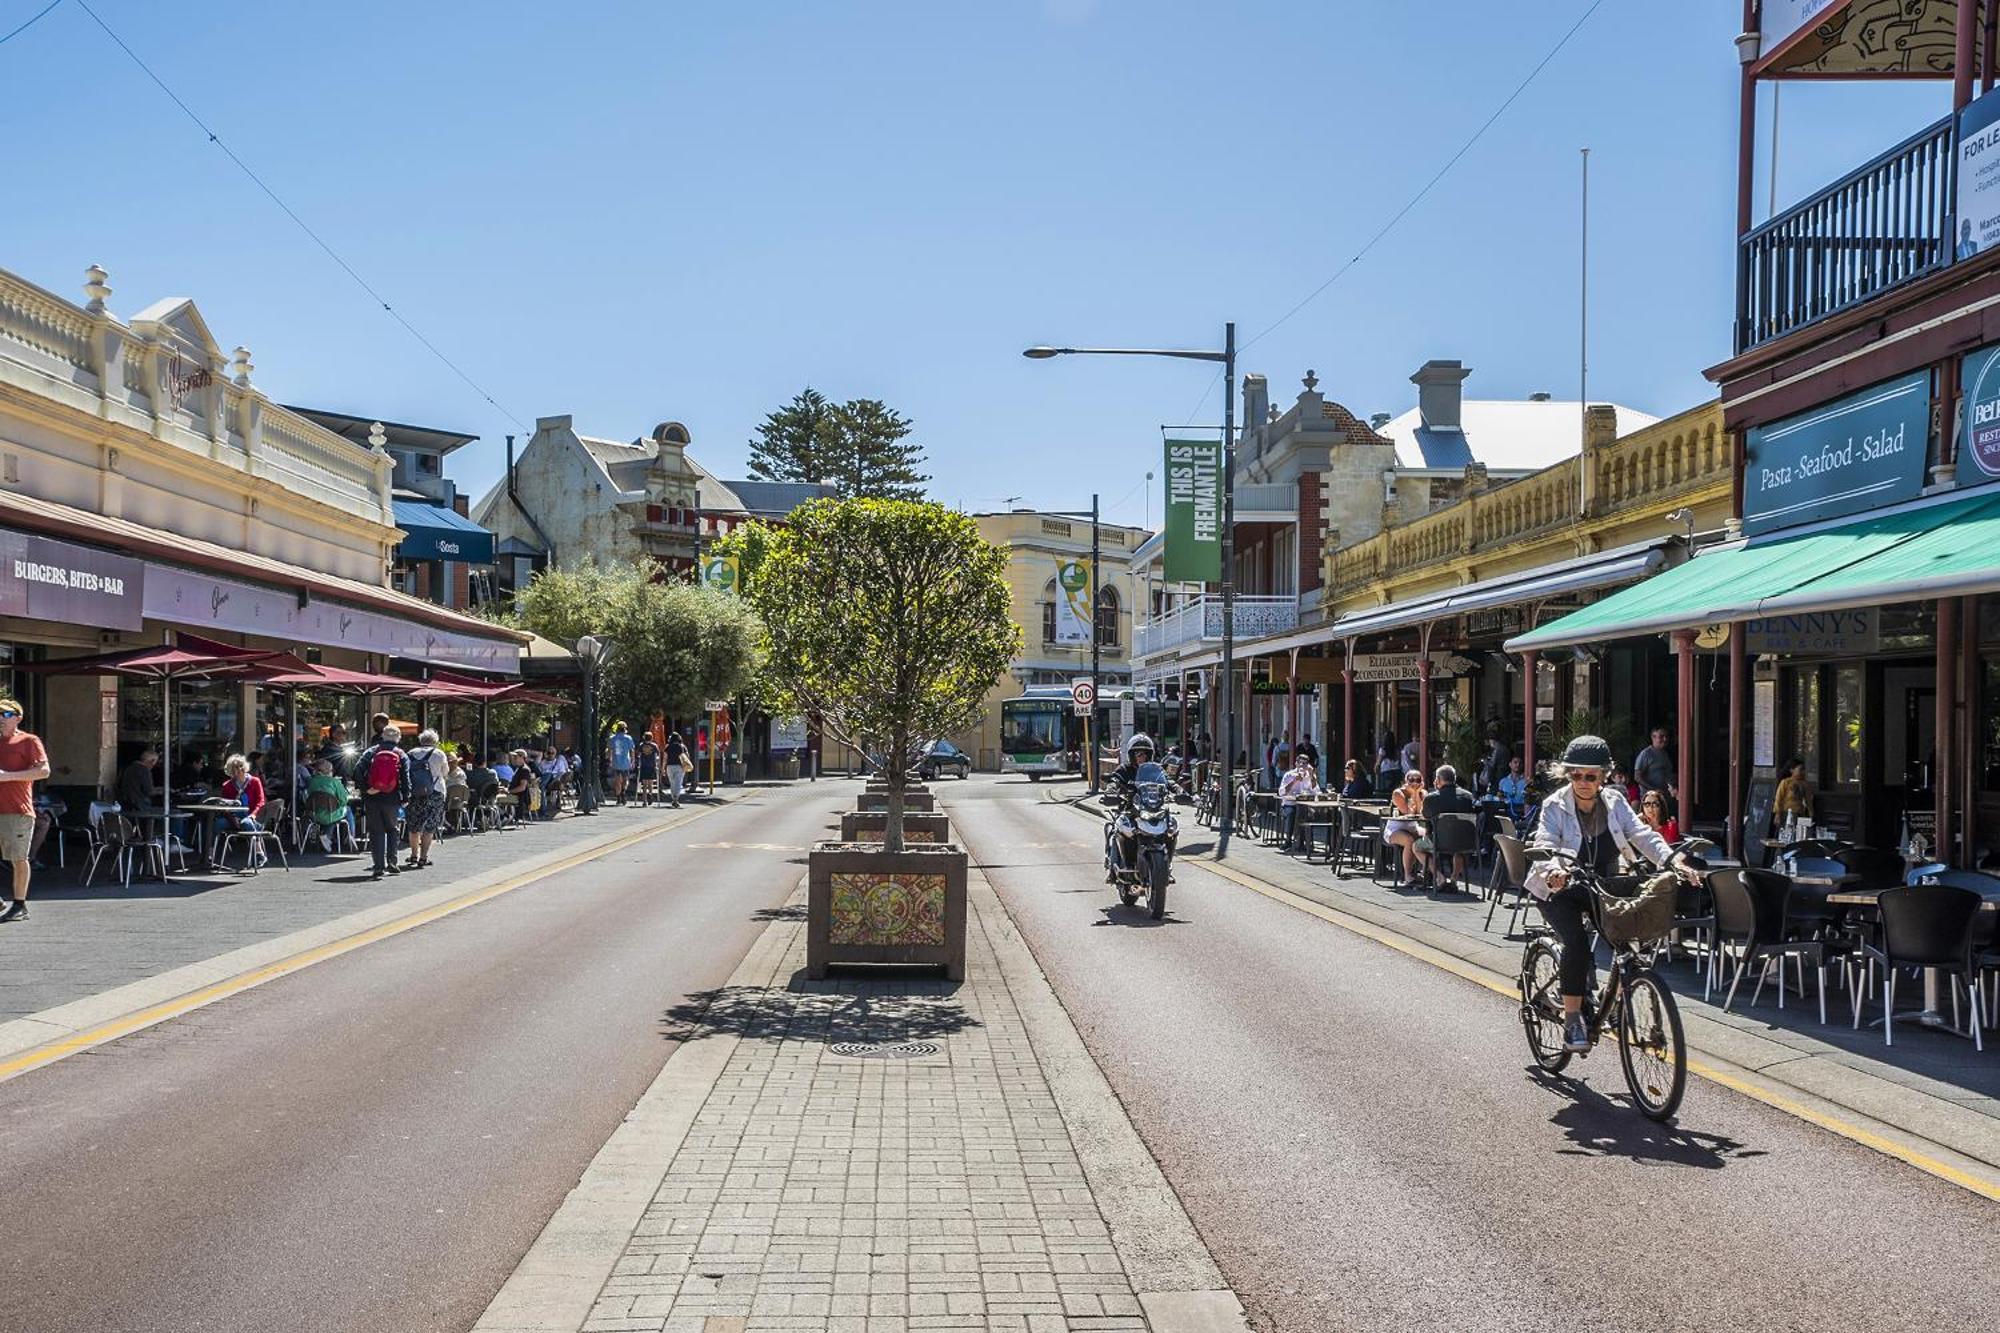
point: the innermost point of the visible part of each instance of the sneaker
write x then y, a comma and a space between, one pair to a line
1576, 1034
15, 910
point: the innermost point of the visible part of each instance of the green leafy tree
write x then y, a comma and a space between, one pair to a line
888, 620
860, 447
673, 645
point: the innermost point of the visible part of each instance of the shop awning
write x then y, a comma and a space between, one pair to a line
1584, 574
433, 532
1933, 549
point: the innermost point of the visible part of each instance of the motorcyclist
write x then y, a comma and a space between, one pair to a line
1593, 821
1123, 785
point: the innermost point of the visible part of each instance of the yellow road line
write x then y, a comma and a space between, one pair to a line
48, 1053
1479, 976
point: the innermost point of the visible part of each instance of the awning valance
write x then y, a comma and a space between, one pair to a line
433, 532
1586, 573
1934, 549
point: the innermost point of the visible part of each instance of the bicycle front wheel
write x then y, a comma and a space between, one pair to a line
1541, 1005
1651, 1046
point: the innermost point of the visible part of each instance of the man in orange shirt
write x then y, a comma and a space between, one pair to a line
23, 763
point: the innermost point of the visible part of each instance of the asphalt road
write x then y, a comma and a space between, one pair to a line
1361, 1141
374, 1142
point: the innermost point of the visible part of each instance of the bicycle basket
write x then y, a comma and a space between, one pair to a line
1633, 913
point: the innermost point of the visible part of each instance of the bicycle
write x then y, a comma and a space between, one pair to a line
1635, 1001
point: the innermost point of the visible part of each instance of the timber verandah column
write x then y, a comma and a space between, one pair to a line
1943, 776
1684, 662
1739, 674
1347, 708
1531, 662
1424, 698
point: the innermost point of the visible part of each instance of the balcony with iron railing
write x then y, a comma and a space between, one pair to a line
1880, 226
1199, 619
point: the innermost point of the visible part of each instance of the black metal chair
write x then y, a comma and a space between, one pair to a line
1361, 840
1512, 862
1932, 926
1310, 821
256, 842
1750, 914
1452, 836
1879, 867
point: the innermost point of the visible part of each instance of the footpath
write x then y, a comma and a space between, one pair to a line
94, 963
1930, 1100
873, 1154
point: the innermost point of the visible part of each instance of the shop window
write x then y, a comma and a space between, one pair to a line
1847, 738
1804, 720
1989, 715
1107, 617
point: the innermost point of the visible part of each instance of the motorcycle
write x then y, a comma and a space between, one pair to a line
1144, 821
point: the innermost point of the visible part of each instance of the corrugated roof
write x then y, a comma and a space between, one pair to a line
775, 499
1508, 435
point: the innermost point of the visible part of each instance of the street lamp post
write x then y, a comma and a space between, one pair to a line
591, 653
1227, 358
1092, 741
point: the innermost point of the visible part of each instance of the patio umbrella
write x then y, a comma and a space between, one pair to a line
290, 674
188, 657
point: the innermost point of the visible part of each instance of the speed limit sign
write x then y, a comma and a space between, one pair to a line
1083, 695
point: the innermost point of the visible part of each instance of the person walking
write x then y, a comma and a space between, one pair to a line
385, 784
677, 758
23, 763
622, 751
423, 815
1655, 769
649, 770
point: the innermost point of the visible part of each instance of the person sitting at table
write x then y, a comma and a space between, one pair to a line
1401, 829
242, 785
136, 791
1794, 795
1355, 785
326, 799
1448, 799
1653, 814
1622, 780
481, 782
1299, 782
523, 785
1513, 789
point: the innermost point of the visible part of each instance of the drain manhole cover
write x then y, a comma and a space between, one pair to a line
868, 1050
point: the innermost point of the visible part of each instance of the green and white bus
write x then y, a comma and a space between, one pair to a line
1040, 735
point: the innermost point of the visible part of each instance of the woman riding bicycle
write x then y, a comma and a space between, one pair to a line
1593, 822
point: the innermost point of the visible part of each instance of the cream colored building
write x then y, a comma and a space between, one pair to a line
147, 486
1036, 543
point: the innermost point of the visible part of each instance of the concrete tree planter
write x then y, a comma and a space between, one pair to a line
876, 802
856, 826
870, 906
877, 787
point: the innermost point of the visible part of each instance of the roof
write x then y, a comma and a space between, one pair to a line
399, 433
1507, 435
775, 499
625, 463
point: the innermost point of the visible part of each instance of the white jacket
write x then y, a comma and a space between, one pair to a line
1559, 828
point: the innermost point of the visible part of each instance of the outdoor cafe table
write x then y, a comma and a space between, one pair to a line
1853, 897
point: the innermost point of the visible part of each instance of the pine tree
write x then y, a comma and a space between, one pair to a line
797, 442
876, 459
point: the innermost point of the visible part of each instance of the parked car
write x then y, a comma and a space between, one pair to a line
941, 757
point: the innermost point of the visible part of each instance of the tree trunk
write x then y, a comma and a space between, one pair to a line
898, 766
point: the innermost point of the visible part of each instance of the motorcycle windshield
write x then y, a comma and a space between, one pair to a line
1150, 773
1151, 781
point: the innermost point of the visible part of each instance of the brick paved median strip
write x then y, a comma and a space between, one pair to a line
970, 1188
42, 1038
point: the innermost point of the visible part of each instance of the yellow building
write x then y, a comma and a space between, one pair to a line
1036, 545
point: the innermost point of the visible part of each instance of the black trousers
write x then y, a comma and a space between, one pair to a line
381, 814
1567, 911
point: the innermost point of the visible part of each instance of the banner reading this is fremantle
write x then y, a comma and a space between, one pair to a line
1072, 601
1194, 511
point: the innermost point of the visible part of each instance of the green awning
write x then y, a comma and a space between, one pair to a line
1947, 549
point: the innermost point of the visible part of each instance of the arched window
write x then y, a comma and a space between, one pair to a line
1049, 612
1107, 617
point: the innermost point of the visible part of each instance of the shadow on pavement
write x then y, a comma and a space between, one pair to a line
881, 1005
1137, 917
793, 913
1598, 1126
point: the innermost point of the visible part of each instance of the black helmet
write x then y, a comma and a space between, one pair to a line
1587, 752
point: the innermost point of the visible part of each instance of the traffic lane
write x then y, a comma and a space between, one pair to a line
1362, 1142
375, 1141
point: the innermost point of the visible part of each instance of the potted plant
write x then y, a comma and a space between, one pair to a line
888, 619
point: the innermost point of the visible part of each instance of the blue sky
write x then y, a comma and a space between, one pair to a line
639, 212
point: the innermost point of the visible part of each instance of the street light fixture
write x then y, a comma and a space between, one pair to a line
591, 653
1227, 358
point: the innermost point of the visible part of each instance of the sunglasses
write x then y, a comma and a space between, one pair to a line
1586, 777
8, 712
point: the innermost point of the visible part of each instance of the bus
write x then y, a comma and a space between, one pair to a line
1041, 735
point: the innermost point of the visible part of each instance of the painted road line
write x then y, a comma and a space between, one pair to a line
37, 1057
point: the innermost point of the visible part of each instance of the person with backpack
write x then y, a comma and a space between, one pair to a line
423, 816
677, 760
385, 785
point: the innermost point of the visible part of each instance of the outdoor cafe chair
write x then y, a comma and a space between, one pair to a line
1452, 835
1927, 926
458, 811
1512, 863
1750, 917
1360, 840
1320, 816
117, 838
256, 841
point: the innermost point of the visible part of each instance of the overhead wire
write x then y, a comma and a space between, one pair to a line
300, 222
39, 14
1415, 199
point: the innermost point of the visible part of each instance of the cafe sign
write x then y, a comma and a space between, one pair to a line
1979, 431
1854, 633
1856, 453
66, 584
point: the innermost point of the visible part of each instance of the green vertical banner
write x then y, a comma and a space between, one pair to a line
1194, 511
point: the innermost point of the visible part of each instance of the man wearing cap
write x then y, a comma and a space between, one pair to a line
23, 763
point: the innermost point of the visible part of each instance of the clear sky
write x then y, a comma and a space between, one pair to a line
637, 212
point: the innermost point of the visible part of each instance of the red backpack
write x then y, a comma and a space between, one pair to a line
384, 770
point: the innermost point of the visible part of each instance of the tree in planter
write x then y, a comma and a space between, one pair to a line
889, 620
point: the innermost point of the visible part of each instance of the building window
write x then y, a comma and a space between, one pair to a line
1805, 720
1107, 617
1049, 612
1847, 725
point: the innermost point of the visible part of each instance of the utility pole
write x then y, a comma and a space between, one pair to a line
1096, 664
1228, 588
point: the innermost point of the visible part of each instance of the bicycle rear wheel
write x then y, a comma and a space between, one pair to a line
1651, 1046
1541, 1005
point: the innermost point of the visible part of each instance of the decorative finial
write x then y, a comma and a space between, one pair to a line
1271, 413
378, 438
240, 367
95, 288
1311, 381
